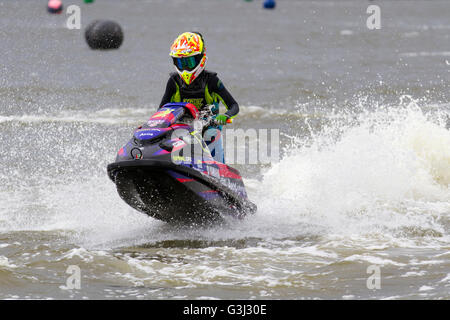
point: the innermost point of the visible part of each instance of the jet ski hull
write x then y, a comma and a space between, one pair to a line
175, 194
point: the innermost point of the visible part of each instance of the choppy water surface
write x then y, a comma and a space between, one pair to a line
363, 179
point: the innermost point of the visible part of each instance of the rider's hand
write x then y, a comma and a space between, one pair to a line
222, 119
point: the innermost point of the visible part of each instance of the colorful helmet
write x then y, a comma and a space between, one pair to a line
189, 58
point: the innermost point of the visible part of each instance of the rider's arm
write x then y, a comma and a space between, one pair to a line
224, 96
170, 91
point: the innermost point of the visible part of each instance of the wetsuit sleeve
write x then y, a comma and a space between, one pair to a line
170, 91
224, 96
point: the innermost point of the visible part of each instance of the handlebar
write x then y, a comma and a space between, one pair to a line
208, 114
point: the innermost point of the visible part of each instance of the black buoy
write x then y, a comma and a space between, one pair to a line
104, 34
54, 6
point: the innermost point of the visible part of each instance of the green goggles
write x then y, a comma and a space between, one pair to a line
187, 63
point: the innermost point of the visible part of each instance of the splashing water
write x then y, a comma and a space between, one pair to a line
389, 172
370, 188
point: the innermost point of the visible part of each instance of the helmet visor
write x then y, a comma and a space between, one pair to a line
187, 63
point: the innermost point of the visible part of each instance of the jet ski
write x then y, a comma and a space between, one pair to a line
166, 171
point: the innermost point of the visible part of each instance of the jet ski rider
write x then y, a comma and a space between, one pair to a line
192, 83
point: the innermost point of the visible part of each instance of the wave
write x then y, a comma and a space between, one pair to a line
425, 54
387, 171
126, 116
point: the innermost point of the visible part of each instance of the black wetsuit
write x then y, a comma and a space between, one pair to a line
207, 89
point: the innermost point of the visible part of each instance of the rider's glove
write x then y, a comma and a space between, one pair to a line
222, 119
